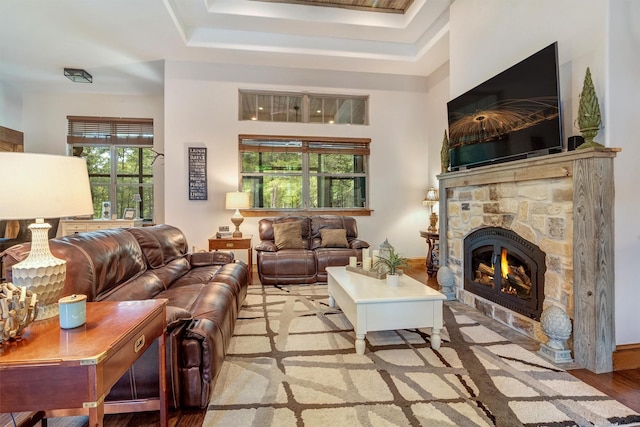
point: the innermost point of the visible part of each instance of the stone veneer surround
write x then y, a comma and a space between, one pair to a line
564, 204
541, 212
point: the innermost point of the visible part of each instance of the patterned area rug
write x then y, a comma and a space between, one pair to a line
292, 362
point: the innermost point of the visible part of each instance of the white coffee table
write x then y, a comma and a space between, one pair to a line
372, 305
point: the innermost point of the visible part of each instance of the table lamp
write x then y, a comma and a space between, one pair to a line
237, 200
38, 186
430, 200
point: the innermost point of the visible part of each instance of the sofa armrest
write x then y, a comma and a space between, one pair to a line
201, 259
266, 246
176, 316
358, 244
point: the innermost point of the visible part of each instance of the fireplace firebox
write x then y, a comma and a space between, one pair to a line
506, 269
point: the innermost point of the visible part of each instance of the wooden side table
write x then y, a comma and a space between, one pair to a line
231, 243
431, 239
70, 371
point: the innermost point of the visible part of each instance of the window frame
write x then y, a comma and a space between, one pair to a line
357, 146
306, 99
114, 133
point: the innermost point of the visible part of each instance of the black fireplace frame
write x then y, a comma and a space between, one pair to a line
526, 251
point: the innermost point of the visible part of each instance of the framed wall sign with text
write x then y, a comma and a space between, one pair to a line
197, 173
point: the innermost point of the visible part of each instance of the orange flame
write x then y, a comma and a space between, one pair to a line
503, 263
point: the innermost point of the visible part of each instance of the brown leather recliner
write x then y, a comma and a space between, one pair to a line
307, 264
204, 290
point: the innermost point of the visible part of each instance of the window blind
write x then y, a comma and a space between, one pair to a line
304, 144
109, 131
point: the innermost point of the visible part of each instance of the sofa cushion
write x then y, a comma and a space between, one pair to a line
288, 235
204, 259
266, 232
173, 271
332, 222
334, 238
160, 244
144, 286
287, 267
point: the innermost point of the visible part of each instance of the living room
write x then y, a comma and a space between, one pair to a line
194, 102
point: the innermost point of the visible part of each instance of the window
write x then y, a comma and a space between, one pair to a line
119, 154
267, 107
303, 108
305, 173
337, 110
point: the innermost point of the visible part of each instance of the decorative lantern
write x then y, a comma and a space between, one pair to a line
384, 252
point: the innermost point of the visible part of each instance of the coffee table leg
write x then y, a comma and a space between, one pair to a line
435, 339
360, 344
332, 302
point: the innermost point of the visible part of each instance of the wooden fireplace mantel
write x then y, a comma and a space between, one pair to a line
592, 176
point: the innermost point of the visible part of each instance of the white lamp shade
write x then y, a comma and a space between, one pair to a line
237, 200
432, 195
43, 186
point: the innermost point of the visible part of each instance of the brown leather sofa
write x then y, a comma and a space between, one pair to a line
204, 290
308, 263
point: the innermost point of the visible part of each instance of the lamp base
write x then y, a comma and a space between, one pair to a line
41, 272
433, 220
237, 219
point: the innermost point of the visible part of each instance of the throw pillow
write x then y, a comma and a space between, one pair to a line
288, 235
334, 238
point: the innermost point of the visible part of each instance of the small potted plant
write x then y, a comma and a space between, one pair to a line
391, 262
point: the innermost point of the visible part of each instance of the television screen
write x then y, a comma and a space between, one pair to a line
510, 116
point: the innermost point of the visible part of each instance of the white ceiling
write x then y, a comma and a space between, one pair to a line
123, 43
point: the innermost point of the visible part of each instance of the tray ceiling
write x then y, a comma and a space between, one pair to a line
125, 44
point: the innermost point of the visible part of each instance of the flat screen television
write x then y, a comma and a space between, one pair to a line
514, 115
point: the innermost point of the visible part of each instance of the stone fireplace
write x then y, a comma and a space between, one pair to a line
555, 214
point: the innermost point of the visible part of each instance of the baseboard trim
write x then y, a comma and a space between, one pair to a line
417, 262
626, 356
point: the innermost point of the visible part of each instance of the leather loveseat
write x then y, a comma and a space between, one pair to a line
205, 291
314, 246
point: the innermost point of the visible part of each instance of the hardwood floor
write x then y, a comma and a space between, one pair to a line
623, 386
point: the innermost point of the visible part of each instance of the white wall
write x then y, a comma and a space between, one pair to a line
10, 108
437, 97
487, 37
623, 89
45, 123
201, 109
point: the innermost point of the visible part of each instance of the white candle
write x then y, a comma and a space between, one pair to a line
375, 258
366, 263
353, 261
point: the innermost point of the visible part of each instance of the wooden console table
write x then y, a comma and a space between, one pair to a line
70, 371
431, 239
231, 243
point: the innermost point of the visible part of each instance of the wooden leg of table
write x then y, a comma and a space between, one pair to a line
250, 258
429, 255
96, 415
164, 403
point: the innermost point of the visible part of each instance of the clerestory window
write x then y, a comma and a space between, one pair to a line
303, 107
